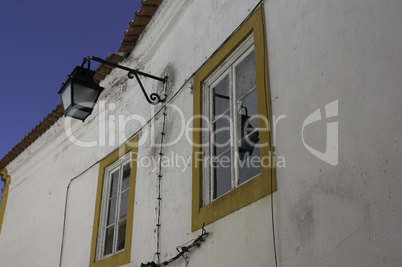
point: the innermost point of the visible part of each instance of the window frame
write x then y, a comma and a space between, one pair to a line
121, 155
108, 171
227, 68
262, 184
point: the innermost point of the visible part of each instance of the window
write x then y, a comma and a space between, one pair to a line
113, 220
232, 148
230, 105
112, 233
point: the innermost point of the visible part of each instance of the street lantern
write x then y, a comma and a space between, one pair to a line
79, 93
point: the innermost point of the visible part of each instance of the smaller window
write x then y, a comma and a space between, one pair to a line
114, 208
113, 220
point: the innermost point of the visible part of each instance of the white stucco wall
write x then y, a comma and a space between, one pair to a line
348, 51
318, 52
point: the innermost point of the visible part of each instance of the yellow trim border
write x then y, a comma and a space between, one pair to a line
261, 185
123, 257
4, 195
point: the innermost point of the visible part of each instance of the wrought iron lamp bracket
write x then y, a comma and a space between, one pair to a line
153, 98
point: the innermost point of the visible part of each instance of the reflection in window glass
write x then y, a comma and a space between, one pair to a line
247, 120
222, 175
126, 177
111, 215
114, 183
245, 75
222, 135
221, 96
109, 240
247, 130
121, 236
251, 167
123, 205
248, 108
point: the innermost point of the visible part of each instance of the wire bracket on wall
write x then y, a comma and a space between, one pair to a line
182, 250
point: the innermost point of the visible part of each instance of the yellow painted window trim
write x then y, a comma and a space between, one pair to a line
7, 180
264, 183
123, 257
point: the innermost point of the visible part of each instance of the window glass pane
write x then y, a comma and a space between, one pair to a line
111, 215
250, 165
222, 175
77, 113
66, 96
221, 96
248, 157
247, 118
222, 134
247, 125
245, 75
126, 177
114, 183
121, 237
123, 205
109, 241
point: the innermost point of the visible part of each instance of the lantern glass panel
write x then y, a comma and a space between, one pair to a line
85, 96
78, 114
66, 96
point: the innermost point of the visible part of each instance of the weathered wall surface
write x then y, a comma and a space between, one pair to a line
319, 52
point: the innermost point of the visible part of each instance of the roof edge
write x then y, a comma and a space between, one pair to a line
32, 136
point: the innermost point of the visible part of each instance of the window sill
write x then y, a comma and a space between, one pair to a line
236, 199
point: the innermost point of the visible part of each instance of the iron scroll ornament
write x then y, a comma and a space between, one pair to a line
153, 98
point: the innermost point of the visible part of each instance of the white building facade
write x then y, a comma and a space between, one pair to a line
314, 87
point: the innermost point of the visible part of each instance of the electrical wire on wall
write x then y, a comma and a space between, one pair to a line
65, 210
159, 176
182, 250
269, 111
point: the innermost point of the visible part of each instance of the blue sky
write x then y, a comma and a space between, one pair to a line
41, 42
